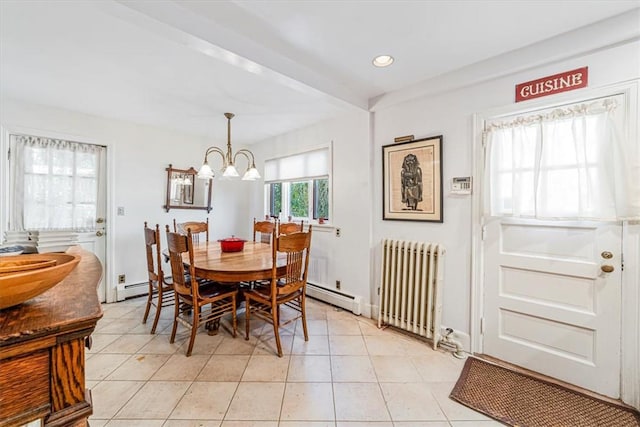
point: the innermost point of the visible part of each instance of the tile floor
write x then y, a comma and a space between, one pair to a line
349, 374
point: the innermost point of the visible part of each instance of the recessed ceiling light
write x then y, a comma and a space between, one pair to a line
383, 60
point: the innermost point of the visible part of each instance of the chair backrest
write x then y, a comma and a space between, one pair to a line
154, 255
178, 244
196, 227
296, 247
265, 228
290, 227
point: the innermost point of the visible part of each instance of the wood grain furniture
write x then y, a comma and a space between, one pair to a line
193, 297
289, 290
42, 341
265, 228
254, 262
197, 229
290, 227
160, 288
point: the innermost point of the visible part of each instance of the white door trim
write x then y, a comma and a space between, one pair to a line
630, 328
8, 129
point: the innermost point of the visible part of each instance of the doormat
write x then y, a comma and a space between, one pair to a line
518, 399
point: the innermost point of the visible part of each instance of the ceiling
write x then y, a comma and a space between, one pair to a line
278, 65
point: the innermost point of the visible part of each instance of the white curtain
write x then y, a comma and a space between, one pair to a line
572, 163
56, 184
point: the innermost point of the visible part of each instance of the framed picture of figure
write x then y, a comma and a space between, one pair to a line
412, 180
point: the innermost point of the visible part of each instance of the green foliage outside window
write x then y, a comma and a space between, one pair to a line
299, 199
276, 198
321, 198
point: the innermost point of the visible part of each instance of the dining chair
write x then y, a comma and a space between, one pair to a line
290, 227
197, 229
160, 287
288, 290
192, 297
265, 228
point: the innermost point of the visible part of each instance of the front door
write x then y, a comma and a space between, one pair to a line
552, 299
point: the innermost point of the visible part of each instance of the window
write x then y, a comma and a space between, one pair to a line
56, 184
298, 186
560, 163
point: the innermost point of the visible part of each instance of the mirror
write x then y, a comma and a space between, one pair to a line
186, 191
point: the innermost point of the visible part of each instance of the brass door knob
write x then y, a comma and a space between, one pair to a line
99, 233
100, 220
606, 255
607, 268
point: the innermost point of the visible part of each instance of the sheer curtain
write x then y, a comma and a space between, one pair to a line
572, 163
56, 184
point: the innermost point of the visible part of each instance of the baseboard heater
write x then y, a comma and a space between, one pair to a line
132, 290
339, 299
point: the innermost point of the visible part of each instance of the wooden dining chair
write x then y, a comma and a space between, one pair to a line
290, 227
160, 287
198, 228
289, 290
265, 228
192, 297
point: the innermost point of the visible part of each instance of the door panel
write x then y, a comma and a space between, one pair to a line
549, 306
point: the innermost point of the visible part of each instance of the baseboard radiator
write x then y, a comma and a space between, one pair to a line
411, 287
339, 299
131, 290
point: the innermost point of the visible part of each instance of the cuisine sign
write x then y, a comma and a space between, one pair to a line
563, 82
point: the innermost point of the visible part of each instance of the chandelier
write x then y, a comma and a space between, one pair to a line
228, 160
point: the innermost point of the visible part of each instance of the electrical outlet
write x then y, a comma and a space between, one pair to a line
337, 232
120, 210
338, 284
121, 278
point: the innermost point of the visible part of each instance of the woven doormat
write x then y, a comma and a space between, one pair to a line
519, 399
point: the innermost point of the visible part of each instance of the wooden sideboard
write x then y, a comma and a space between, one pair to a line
42, 356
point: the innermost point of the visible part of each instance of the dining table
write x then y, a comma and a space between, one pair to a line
252, 263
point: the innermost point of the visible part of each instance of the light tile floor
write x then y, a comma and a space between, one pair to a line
349, 374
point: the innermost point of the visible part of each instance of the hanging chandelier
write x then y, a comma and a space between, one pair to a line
228, 160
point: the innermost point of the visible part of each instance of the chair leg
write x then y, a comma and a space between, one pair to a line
247, 316
158, 309
149, 298
235, 318
176, 313
303, 310
276, 328
194, 328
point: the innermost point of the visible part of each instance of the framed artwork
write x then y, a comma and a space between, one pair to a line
412, 180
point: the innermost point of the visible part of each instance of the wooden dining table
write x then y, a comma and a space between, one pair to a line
254, 262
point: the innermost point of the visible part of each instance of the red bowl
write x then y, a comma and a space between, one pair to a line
231, 244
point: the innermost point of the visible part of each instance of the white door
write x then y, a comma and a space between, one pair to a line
95, 241
60, 185
552, 299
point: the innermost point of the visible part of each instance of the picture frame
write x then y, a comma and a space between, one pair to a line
412, 180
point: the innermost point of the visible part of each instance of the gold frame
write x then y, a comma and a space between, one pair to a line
412, 180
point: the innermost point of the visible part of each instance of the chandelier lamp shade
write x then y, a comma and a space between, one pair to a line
229, 159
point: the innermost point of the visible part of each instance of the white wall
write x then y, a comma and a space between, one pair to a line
349, 255
139, 155
451, 114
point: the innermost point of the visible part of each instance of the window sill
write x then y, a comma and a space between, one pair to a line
327, 228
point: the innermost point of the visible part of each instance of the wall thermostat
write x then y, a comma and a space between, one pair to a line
461, 185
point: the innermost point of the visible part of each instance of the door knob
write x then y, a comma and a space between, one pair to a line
100, 220
99, 233
607, 268
606, 255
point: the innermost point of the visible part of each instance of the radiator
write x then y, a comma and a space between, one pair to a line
411, 287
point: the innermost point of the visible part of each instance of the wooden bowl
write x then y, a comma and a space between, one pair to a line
23, 277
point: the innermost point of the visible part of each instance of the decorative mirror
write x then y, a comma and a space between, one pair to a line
186, 191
